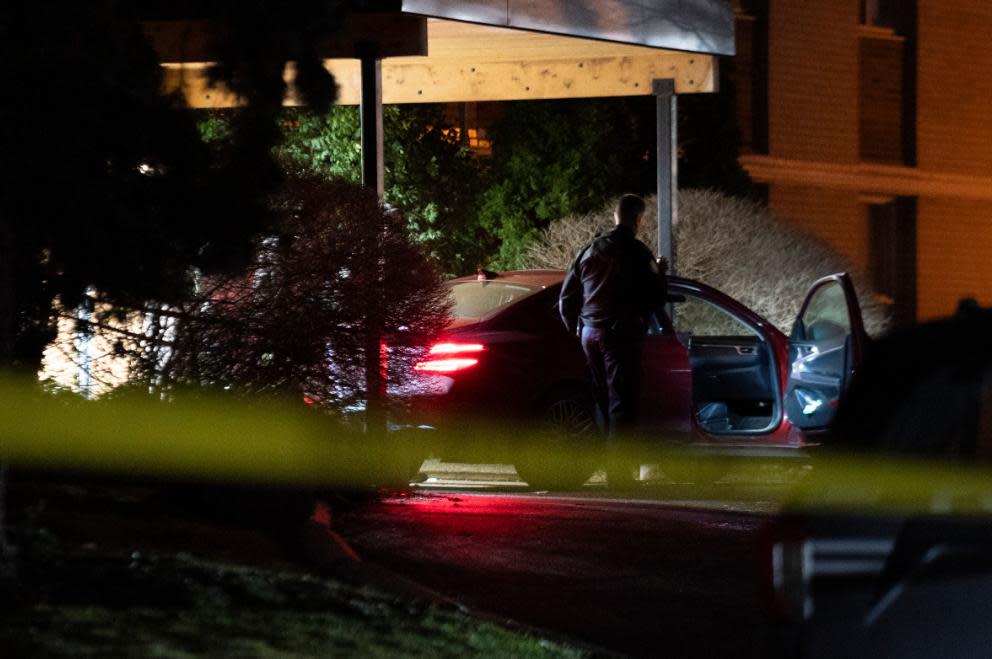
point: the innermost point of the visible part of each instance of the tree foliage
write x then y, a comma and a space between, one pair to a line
104, 181
340, 275
431, 176
553, 159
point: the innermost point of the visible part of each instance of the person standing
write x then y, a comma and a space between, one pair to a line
611, 289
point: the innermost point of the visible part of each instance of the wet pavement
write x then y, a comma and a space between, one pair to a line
642, 575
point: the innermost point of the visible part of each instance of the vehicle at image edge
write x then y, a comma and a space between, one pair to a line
873, 582
885, 549
717, 375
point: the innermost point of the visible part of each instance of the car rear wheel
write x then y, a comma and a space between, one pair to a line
562, 453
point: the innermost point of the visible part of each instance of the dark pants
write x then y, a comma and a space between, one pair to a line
615, 365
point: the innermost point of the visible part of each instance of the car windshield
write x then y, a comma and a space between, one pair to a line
477, 299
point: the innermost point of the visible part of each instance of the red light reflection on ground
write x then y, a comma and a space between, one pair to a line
492, 532
481, 519
476, 504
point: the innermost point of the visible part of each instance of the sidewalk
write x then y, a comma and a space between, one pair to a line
756, 489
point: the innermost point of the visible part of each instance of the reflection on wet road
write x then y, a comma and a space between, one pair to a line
641, 576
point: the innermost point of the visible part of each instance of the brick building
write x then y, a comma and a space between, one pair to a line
867, 122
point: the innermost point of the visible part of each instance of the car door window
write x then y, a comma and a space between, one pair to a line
698, 317
824, 350
826, 315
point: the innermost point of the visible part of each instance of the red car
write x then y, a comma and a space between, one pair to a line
716, 374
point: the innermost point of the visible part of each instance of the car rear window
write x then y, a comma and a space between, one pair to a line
477, 299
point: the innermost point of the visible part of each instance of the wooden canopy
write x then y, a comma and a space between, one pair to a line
436, 60
441, 51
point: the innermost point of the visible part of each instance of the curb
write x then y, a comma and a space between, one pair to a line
459, 471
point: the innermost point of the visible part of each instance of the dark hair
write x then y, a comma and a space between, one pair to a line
629, 208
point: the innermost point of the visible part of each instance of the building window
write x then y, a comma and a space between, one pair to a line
750, 74
892, 254
479, 142
887, 81
880, 13
472, 123
881, 85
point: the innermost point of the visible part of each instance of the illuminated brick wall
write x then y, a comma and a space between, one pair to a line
813, 115
813, 80
955, 86
954, 135
835, 217
835, 97
954, 254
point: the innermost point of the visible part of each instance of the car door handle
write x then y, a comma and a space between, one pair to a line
745, 350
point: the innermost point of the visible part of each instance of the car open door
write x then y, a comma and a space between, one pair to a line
825, 347
666, 391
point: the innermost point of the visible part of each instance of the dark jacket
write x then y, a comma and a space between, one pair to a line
613, 283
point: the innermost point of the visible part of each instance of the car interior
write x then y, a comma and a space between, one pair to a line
821, 351
734, 389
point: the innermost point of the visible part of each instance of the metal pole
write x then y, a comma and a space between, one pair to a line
664, 91
372, 177
371, 112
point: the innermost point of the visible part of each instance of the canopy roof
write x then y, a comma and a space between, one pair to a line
487, 50
701, 26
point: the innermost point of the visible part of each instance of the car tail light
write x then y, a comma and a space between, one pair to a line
450, 357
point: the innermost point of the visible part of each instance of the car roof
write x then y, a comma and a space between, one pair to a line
546, 278
541, 278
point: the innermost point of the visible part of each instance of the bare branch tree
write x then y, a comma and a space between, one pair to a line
341, 285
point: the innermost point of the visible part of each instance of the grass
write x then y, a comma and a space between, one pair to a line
90, 599
185, 607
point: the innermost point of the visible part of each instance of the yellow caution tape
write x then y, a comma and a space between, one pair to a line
230, 439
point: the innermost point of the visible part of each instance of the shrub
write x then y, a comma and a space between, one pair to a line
730, 243
341, 274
